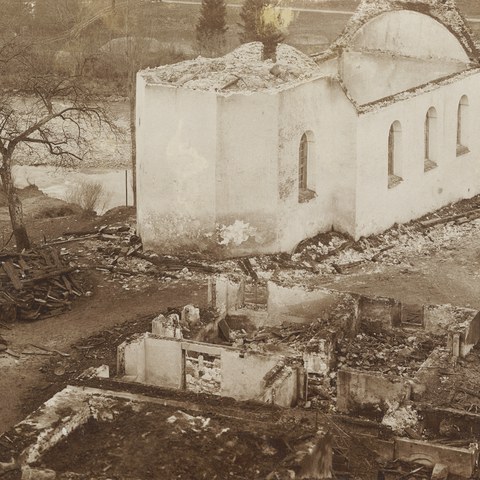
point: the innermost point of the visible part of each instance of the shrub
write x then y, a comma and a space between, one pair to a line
89, 195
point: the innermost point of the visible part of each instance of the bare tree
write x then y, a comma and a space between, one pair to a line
54, 113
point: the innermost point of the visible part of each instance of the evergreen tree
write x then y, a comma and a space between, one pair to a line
211, 27
258, 26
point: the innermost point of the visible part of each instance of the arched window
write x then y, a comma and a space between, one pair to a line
394, 154
306, 168
462, 126
430, 140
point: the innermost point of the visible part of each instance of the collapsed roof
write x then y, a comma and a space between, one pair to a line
242, 70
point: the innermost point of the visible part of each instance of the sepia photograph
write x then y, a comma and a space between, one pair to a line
239, 239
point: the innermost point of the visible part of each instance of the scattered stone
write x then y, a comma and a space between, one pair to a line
440, 472
400, 418
167, 326
8, 466
190, 314
29, 473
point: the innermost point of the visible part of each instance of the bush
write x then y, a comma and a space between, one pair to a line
90, 196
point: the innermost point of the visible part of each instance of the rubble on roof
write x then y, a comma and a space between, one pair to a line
242, 70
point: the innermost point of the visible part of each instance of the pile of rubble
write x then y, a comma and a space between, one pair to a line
36, 284
202, 373
335, 252
289, 336
384, 353
242, 70
118, 251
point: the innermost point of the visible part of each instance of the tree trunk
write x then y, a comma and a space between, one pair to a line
132, 90
14, 208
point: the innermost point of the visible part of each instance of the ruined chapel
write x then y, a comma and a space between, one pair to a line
243, 155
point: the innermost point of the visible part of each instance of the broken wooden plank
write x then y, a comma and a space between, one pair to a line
67, 283
468, 391
12, 274
75, 284
46, 257
50, 350
28, 352
231, 83
175, 263
248, 268
341, 268
224, 329
450, 218
69, 240
56, 258
56, 273
375, 257
12, 354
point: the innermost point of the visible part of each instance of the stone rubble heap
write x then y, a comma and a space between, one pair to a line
242, 70
387, 354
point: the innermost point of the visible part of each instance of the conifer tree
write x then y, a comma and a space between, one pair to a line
211, 27
261, 24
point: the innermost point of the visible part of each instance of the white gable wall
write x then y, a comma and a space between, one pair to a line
409, 33
455, 177
176, 138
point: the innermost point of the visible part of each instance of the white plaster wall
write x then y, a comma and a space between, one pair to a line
297, 304
409, 33
322, 108
379, 207
163, 362
242, 374
133, 354
246, 171
176, 131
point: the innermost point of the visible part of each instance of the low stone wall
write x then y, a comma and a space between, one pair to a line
357, 391
460, 461
155, 360
298, 304
379, 312
225, 295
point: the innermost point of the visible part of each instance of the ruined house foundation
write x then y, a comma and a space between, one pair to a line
368, 361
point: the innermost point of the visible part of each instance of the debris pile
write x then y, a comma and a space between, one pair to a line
384, 353
185, 422
202, 373
36, 284
291, 336
117, 250
334, 252
241, 70
401, 419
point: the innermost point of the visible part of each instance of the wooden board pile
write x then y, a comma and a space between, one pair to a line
35, 284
